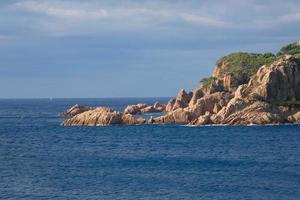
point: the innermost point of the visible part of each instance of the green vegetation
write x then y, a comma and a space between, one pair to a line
244, 65
206, 82
292, 49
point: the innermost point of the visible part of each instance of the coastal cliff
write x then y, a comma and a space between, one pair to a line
245, 88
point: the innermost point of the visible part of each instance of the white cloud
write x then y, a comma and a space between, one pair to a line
204, 20
290, 17
61, 11
94, 16
130, 13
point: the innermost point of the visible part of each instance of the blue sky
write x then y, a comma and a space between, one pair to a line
130, 48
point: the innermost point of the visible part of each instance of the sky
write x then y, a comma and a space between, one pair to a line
130, 48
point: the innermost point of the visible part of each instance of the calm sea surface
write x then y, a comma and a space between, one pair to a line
39, 159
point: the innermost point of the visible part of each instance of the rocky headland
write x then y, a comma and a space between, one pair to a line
245, 88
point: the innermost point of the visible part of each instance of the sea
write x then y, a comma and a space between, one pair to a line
39, 159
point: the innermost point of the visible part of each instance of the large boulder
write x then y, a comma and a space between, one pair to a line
202, 120
278, 82
75, 110
197, 94
211, 103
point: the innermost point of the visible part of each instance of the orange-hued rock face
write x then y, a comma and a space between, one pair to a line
227, 81
251, 103
278, 82
181, 101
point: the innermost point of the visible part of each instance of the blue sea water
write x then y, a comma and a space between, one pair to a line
39, 159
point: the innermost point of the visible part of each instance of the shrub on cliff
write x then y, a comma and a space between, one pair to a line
206, 82
243, 65
292, 49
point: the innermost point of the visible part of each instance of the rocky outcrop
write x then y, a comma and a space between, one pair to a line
257, 102
159, 107
156, 108
102, 116
181, 101
178, 116
143, 108
129, 119
134, 109
75, 110
278, 82
244, 89
227, 81
243, 113
202, 120
170, 105
211, 103
197, 94
252, 103
294, 118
